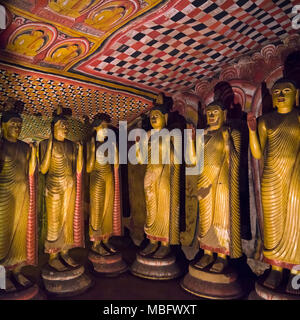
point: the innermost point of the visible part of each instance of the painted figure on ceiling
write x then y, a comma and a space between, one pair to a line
274, 138
17, 206
106, 18
62, 162
29, 42
64, 54
72, 8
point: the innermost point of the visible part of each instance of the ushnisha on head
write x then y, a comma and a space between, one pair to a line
158, 116
216, 114
285, 95
11, 125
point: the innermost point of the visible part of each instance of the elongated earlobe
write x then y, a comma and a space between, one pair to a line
297, 98
166, 118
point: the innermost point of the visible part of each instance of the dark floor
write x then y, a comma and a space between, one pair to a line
125, 286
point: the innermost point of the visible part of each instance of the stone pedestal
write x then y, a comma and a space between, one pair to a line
31, 293
66, 283
156, 269
211, 285
109, 266
264, 293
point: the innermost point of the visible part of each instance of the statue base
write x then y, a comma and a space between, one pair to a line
156, 269
265, 293
211, 285
108, 266
66, 283
31, 293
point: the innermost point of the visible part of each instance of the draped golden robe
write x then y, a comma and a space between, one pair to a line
219, 207
101, 201
161, 185
60, 195
14, 203
280, 189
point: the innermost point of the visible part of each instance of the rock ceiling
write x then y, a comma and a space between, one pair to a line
126, 51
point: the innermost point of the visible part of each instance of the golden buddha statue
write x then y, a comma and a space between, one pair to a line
71, 8
28, 43
102, 193
61, 163
275, 140
65, 54
218, 192
161, 186
17, 214
106, 18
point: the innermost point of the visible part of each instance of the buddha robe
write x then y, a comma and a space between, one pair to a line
280, 189
218, 187
161, 185
64, 223
17, 214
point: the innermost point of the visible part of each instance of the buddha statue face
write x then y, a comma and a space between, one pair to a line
284, 96
102, 130
215, 117
157, 119
12, 129
61, 130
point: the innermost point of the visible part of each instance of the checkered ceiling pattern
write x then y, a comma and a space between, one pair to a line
43, 94
189, 41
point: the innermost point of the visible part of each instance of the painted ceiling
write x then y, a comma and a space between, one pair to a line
122, 53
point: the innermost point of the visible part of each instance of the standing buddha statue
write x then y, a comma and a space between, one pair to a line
219, 211
17, 202
62, 164
161, 186
105, 213
275, 140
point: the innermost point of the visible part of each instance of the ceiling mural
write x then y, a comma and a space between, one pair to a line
135, 48
42, 94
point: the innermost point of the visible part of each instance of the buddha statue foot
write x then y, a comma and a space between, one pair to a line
109, 247
68, 260
101, 250
56, 264
219, 265
18, 287
204, 261
224, 285
293, 285
284, 291
162, 252
162, 268
151, 248
109, 264
69, 282
274, 279
22, 280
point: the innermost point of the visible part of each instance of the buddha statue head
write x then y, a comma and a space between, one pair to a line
216, 115
285, 95
11, 125
60, 127
158, 117
100, 124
